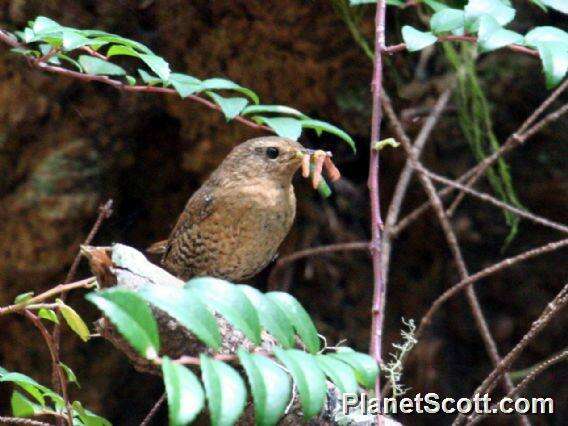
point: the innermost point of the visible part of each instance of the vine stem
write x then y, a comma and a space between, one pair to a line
373, 184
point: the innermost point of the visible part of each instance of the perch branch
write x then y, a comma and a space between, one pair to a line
21, 421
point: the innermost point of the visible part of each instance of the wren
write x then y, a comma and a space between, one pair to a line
232, 226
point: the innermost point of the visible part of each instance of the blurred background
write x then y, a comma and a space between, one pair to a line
67, 146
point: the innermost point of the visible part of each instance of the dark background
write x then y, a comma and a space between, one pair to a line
67, 146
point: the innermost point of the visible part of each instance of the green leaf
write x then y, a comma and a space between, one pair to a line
185, 85
185, 394
270, 387
187, 308
73, 40
103, 37
44, 25
229, 301
299, 319
74, 320
492, 36
499, 39
271, 316
447, 20
157, 64
366, 369
308, 378
322, 126
30, 386
120, 50
96, 66
554, 58
502, 13
71, 377
545, 34
225, 390
87, 417
285, 127
417, 40
231, 107
339, 373
150, 80
223, 84
559, 5
22, 406
23, 298
436, 6
130, 80
132, 317
71, 61
48, 314
273, 109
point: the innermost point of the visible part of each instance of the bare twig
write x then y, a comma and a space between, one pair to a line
488, 198
516, 139
405, 176
55, 362
374, 187
105, 211
153, 411
451, 238
313, 251
498, 267
549, 312
533, 374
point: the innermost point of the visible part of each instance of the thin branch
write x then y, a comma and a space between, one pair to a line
105, 211
515, 140
488, 198
52, 292
490, 270
470, 39
313, 251
549, 312
56, 365
406, 175
374, 187
153, 411
451, 238
533, 374
21, 421
119, 85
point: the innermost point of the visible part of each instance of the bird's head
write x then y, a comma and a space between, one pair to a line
270, 157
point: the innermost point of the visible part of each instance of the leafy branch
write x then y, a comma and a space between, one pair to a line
49, 46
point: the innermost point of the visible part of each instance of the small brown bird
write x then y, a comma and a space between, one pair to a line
233, 225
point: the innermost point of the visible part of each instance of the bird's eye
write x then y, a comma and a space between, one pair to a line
272, 152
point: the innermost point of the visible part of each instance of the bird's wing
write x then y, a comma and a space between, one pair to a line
200, 206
